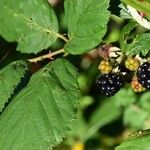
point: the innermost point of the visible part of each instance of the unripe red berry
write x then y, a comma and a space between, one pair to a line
136, 86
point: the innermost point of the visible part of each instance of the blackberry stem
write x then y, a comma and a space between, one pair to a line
49, 56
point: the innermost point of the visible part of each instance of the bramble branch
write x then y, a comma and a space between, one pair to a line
46, 56
62, 37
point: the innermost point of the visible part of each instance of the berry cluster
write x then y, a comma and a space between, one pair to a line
113, 76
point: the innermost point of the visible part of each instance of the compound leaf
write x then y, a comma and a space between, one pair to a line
32, 24
39, 116
10, 76
87, 24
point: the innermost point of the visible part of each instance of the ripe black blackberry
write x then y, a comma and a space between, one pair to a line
126, 73
143, 75
110, 83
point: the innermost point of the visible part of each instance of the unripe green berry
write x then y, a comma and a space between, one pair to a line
105, 67
132, 63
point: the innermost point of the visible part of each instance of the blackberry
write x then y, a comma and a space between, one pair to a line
110, 83
126, 73
143, 75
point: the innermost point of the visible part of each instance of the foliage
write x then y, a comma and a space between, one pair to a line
135, 142
108, 112
125, 33
32, 24
44, 120
82, 27
44, 98
144, 7
10, 81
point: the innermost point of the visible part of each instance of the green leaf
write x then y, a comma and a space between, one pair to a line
39, 116
145, 101
135, 117
10, 76
104, 114
125, 33
121, 97
140, 45
78, 130
124, 12
80, 127
86, 101
87, 24
140, 142
32, 24
140, 6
